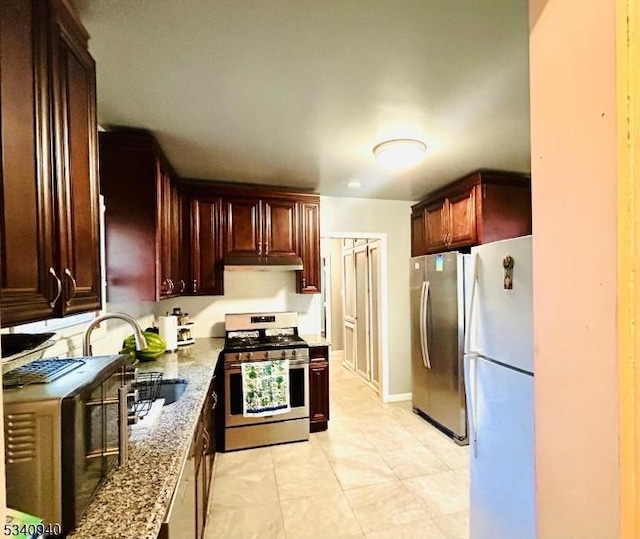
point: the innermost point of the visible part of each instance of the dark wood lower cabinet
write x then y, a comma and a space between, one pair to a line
187, 517
318, 388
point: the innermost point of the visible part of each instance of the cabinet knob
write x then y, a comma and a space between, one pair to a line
52, 303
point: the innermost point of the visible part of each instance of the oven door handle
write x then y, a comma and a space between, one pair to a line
292, 363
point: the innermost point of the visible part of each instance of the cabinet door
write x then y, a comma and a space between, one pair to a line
27, 287
437, 226
76, 157
418, 244
177, 278
280, 227
243, 227
462, 221
206, 245
318, 388
309, 277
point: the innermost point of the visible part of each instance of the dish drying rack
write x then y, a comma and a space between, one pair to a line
147, 385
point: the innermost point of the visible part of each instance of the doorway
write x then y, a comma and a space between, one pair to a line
352, 304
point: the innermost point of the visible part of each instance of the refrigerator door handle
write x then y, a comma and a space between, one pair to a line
424, 343
471, 386
472, 299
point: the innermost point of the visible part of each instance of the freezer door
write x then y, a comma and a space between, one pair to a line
419, 370
445, 333
502, 321
502, 503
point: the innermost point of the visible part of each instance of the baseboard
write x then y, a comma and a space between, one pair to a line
399, 397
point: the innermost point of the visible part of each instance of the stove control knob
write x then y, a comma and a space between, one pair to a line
250, 355
293, 353
238, 356
283, 353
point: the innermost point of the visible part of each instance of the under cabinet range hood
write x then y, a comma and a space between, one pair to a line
262, 263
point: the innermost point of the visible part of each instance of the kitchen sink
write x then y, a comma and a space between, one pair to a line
172, 390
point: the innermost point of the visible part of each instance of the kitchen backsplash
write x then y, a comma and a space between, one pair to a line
247, 291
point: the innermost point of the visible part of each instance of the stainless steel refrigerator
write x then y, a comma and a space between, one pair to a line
438, 285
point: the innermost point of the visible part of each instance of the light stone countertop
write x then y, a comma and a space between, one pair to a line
315, 339
133, 501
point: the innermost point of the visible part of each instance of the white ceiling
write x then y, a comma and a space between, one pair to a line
297, 92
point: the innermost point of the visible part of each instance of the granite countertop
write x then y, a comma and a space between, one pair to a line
314, 339
134, 499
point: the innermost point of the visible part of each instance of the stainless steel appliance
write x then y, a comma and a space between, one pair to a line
255, 337
65, 425
437, 338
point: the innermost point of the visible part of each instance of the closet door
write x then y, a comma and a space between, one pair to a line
374, 312
362, 312
349, 307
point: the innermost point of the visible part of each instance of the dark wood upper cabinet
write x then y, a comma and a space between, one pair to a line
206, 245
485, 206
261, 227
244, 226
75, 152
310, 275
143, 218
49, 238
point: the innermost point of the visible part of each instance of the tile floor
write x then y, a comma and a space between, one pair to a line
379, 472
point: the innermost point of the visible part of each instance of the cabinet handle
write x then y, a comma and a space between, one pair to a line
184, 285
304, 283
215, 400
171, 286
266, 248
52, 303
74, 285
195, 285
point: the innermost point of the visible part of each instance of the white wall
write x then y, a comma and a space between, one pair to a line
573, 154
390, 217
247, 291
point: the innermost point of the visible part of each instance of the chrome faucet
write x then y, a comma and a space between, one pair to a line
141, 342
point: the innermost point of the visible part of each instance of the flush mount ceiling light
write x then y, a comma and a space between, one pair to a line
400, 153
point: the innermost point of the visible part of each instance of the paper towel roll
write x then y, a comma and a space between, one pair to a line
168, 326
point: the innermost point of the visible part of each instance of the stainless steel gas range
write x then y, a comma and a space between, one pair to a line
256, 345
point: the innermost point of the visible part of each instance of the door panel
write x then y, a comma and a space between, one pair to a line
26, 198
502, 472
244, 227
281, 227
446, 400
462, 210
76, 159
420, 372
362, 321
437, 225
374, 298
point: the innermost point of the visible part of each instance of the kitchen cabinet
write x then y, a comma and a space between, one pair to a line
485, 206
308, 279
261, 227
143, 218
49, 238
318, 388
205, 220
187, 515
249, 225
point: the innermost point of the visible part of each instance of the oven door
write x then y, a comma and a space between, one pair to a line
298, 395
